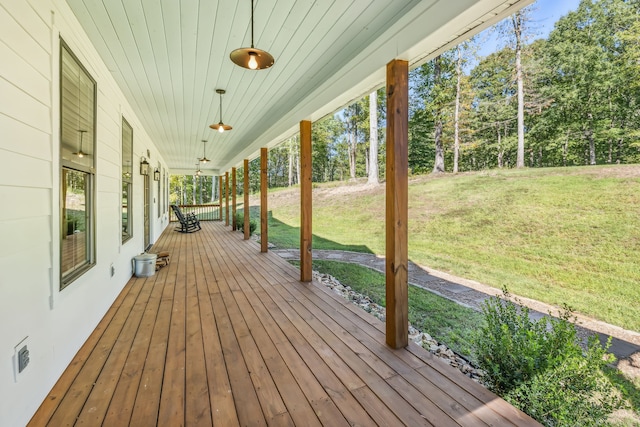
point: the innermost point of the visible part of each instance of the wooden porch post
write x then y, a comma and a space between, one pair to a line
233, 199
220, 197
305, 202
264, 236
246, 200
226, 198
396, 204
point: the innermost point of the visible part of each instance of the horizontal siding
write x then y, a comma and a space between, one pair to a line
37, 26
22, 38
23, 235
17, 104
108, 181
18, 137
57, 323
24, 171
26, 203
21, 73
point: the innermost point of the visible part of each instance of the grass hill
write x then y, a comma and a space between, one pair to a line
559, 235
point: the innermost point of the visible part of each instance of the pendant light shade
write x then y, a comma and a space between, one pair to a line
250, 57
204, 157
80, 153
220, 127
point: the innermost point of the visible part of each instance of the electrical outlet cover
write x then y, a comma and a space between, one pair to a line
21, 358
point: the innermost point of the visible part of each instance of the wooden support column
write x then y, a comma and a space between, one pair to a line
396, 204
306, 210
247, 212
220, 197
233, 199
226, 198
264, 235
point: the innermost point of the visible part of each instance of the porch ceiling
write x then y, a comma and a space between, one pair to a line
169, 57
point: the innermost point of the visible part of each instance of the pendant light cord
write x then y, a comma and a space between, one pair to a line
251, 24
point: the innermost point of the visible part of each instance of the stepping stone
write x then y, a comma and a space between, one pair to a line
286, 255
456, 289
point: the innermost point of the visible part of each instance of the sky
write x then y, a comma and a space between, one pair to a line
544, 16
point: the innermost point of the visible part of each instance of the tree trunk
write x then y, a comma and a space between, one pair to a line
565, 149
184, 190
517, 28
297, 163
592, 141
438, 167
373, 138
352, 155
500, 151
193, 190
290, 162
456, 118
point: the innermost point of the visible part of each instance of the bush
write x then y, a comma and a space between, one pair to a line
240, 223
574, 393
539, 367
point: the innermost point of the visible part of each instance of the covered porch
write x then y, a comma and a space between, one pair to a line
226, 335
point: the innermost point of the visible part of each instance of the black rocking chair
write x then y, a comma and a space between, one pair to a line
189, 223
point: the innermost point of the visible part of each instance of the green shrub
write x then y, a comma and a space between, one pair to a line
539, 367
574, 393
240, 223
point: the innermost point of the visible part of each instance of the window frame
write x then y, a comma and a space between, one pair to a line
127, 234
89, 173
159, 169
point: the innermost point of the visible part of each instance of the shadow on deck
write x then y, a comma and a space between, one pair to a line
226, 335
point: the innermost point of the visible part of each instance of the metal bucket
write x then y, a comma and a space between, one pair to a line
144, 265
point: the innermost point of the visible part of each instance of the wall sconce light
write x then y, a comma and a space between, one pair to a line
144, 167
156, 175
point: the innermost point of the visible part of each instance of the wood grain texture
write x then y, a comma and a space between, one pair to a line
247, 210
397, 204
306, 205
226, 198
264, 212
233, 199
208, 341
220, 193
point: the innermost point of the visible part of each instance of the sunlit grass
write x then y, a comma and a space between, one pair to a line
559, 235
444, 320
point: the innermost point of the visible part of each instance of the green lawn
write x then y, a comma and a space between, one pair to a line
559, 235
444, 320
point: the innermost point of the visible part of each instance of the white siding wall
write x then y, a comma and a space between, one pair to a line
31, 305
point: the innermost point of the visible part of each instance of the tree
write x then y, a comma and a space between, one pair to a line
518, 22
355, 118
373, 138
587, 57
456, 117
437, 136
494, 109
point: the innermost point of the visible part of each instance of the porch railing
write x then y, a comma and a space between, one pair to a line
209, 212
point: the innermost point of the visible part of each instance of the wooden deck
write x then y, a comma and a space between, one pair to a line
226, 335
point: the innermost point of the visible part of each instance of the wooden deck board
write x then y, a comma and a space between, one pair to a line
226, 335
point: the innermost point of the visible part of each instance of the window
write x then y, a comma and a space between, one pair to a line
159, 189
127, 180
77, 154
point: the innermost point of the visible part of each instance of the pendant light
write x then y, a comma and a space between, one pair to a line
80, 153
220, 127
204, 157
250, 57
198, 172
